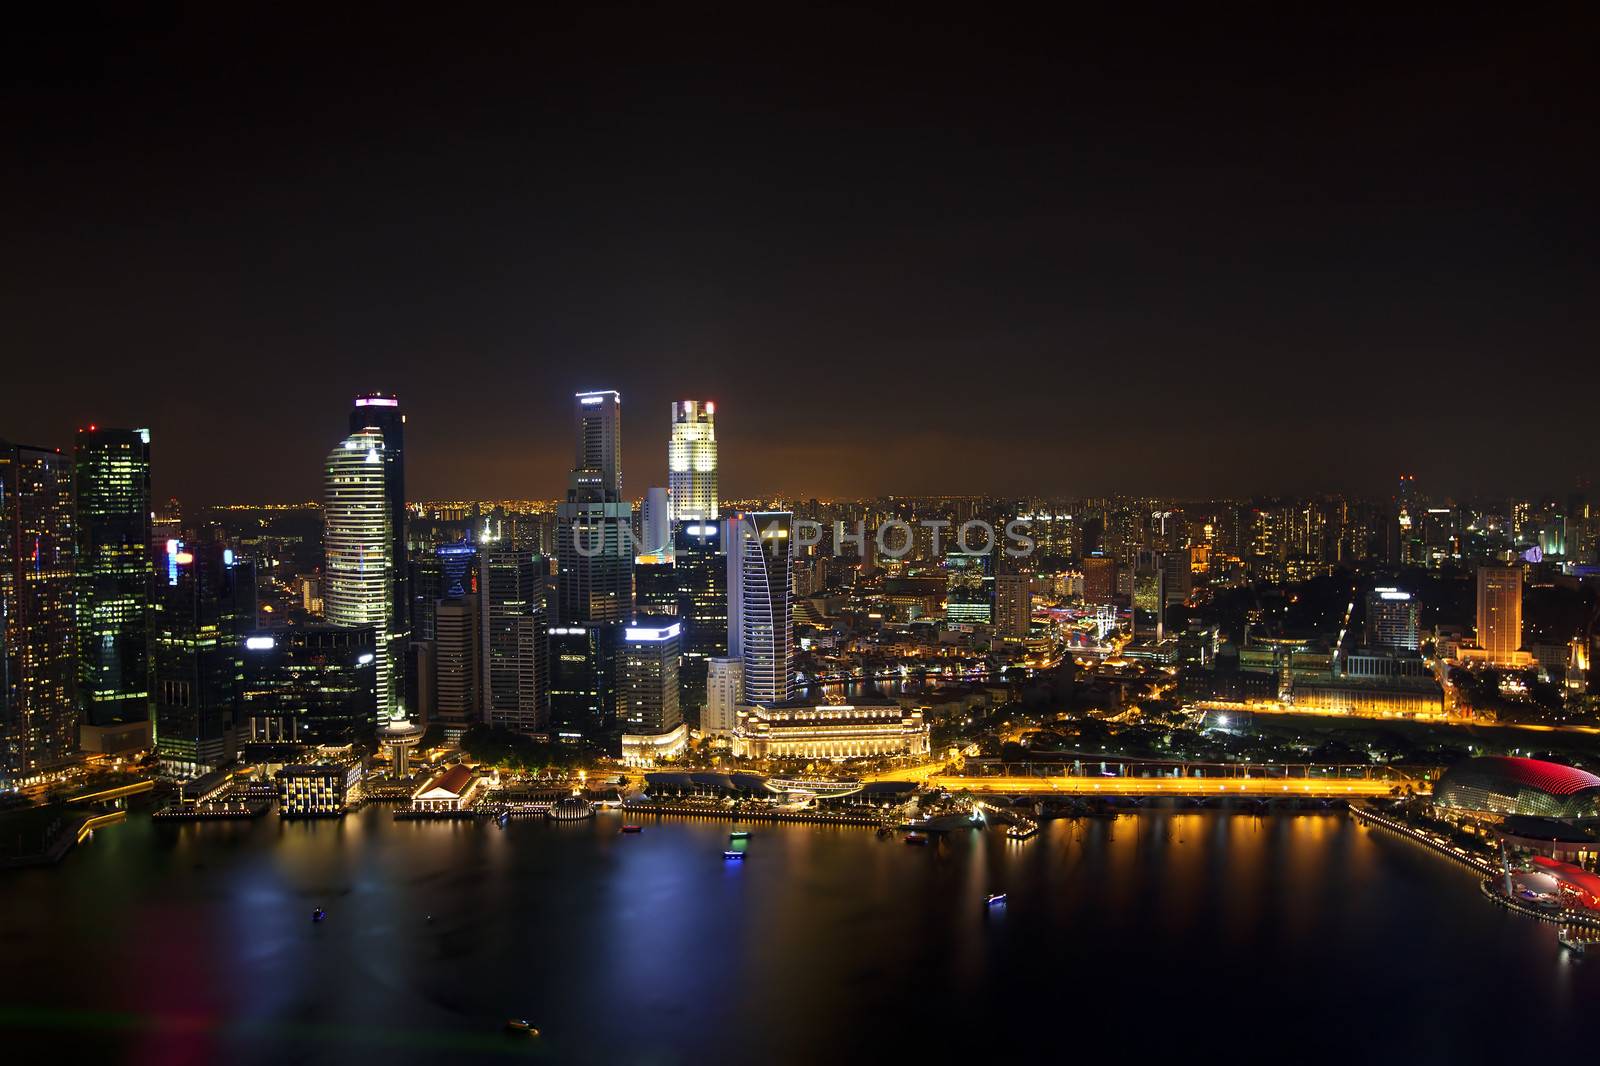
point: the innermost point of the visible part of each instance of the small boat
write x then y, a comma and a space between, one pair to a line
736, 855
633, 829
318, 915
916, 838
739, 834
505, 816
995, 900
520, 1027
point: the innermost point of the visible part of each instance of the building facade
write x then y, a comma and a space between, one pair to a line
111, 479
358, 562
761, 603
38, 639
692, 461
801, 730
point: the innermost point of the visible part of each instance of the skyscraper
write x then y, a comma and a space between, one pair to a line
38, 711
458, 664
582, 681
594, 550
969, 588
724, 690
760, 603
1392, 620
647, 676
655, 523
358, 544
1149, 594
310, 685
701, 572
112, 487
515, 676
205, 604
381, 411
1013, 606
1500, 612
692, 461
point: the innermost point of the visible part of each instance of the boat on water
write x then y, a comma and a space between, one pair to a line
319, 915
1571, 942
633, 829
995, 900
739, 834
916, 838
733, 855
520, 1027
504, 817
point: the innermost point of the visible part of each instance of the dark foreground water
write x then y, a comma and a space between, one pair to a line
1231, 938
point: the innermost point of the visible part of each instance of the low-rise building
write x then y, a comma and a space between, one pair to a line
312, 789
651, 749
798, 729
454, 789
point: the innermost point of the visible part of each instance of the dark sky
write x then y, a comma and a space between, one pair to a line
905, 253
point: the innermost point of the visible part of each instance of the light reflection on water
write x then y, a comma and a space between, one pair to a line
1188, 931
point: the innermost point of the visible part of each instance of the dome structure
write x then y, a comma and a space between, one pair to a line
1504, 785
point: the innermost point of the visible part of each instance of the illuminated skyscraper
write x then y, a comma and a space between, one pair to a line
1013, 606
381, 411
969, 588
594, 547
1392, 620
1500, 612
701, 573
655, 523
358, 544
1149, 594
205, 604
115, 563
647, 676
511, 587
692, 461
760, 603
38, 710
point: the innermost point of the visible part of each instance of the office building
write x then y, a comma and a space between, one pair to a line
647, 676
315, 790
1392, 619
582, 681
310, 685
1149, 594
724, 690
38, 705
511, 588
692, 461
761, 604
381, 412
358, 548
1100, 579
869, 729
457, 664
115, 565
701, 572
594, 548
203, 607
1500, 614
969, 588
655, 523
1013, 606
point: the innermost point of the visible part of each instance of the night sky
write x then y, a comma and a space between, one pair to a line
908, 253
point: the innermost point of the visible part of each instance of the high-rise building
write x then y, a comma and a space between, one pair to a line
594, 549
724, 690
310, 685
511, 588
1013, 606
692, 461
457, 663
38, 707
114, 564
969, 587
1100, 579
358, 548
655, 523
1149, 594
1500, 612
204, 605
647, 676
582, 681
381, 411
597, 469
655, 584
701, 572
1392, 619
761, 603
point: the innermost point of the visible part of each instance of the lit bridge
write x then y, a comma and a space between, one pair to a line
1124, 778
